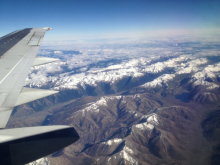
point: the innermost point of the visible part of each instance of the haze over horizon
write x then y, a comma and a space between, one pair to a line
75, 20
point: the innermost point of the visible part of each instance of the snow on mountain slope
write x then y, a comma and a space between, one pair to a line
145, 139
207, 77
117, 149
70, 79
94, 107
150, 123
144, 126
110, 61
113, 141
124, 155
191, 65
41, 161
145, 63
160, 81
134, 68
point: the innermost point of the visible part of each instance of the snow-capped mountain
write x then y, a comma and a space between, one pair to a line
142, 101
133, 68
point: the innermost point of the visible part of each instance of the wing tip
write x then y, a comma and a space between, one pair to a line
47, 28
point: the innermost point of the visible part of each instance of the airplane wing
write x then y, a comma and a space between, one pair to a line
18, 52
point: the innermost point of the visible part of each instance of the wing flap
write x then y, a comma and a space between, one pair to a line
43, 60
31, 94
5, 113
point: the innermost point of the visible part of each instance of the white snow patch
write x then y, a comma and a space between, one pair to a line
133, 68
190, 66
211, 72
93, 107
113, 141
152, 121
127, 149
123, 154
113, 97
160, 81
41, 161
144, 126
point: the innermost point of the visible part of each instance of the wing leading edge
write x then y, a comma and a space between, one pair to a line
18, 52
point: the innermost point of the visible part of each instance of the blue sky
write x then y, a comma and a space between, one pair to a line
91, 19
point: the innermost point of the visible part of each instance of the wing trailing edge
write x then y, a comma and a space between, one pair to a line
5, 113
31, 94
43, 60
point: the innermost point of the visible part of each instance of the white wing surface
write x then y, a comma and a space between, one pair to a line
18, 52
19, 146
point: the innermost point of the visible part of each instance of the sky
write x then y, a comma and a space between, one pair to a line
97, 19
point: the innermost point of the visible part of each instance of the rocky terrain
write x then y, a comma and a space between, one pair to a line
158, 109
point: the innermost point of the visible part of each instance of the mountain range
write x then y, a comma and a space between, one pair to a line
135, 103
